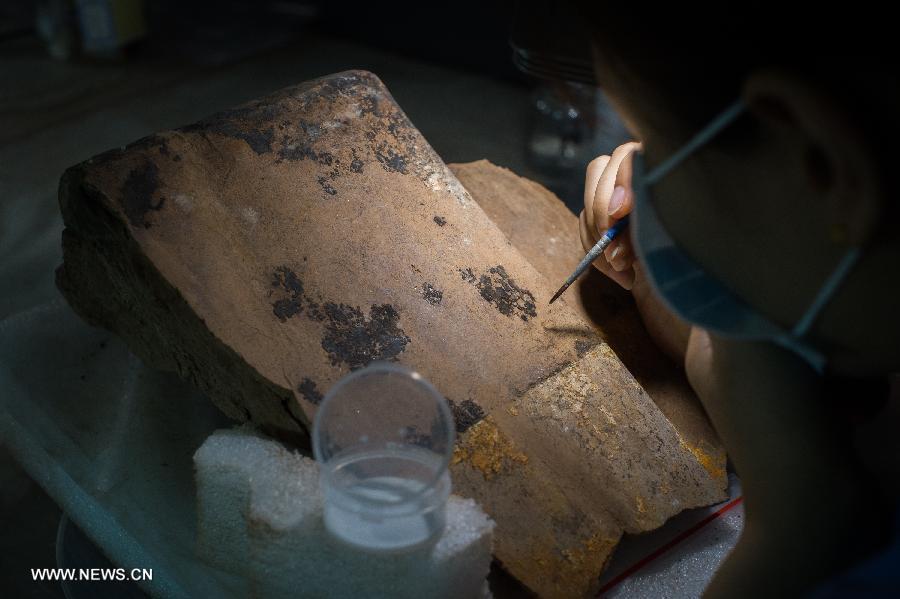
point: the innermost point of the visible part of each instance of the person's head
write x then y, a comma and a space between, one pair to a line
773, 203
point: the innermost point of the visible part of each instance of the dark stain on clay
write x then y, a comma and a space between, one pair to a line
349, 337
344, 85
260, 141
390, 159
152, 143
325, 158
247, 123
467, 275
296, 145
394, 141
272, 126
465, 414
311, 131
432, 294
356, 165
314, 311
285, 280
288, 289
440, 220
138, 191
293, 152
296, 149
326, 186
368, 104
497, 288
357, 341
309, 391
146, 144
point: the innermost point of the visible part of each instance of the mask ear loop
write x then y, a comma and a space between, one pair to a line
828, 289
700, 138
834, 281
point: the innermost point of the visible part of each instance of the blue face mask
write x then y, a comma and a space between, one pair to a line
696, 296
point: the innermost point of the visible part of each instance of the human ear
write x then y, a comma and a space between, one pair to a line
840, 165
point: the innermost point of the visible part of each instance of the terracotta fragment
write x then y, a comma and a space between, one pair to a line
265, 252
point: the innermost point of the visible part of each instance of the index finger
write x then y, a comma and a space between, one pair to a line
592, 174
617, 172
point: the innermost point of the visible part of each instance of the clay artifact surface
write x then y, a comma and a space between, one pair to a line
270, 249
545, 231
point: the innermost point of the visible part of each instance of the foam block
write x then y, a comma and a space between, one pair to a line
260, 516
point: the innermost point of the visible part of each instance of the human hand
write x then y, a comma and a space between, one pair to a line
608, 198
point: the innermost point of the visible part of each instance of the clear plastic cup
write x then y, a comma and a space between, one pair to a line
383, 437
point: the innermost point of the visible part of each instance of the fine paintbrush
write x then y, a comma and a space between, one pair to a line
652, 177
592, 255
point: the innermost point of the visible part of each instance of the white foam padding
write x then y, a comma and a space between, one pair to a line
260, 516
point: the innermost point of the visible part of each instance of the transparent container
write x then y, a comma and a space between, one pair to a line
383, 437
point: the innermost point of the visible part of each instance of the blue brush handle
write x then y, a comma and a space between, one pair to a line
598, 248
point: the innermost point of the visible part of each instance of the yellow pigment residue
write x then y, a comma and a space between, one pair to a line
487, 449
639, 501
592, 554
607, 352
712, 462
566, 572
584, 563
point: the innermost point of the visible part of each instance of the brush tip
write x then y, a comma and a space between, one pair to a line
558, 293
